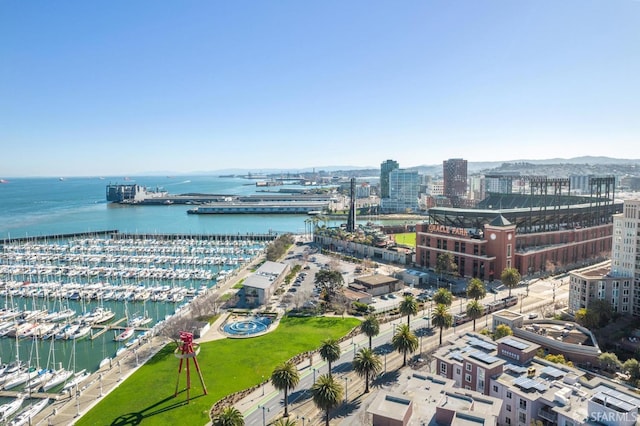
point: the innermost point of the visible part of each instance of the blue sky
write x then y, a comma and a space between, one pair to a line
124, 87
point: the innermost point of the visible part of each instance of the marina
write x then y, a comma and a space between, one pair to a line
71, 305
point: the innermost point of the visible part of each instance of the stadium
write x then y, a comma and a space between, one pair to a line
545, 231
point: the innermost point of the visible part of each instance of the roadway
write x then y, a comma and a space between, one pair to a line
265, 404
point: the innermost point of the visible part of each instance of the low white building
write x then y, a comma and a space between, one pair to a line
259, 286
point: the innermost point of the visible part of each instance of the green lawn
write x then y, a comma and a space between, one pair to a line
406, 239
228, 365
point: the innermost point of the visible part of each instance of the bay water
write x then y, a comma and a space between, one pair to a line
37, 207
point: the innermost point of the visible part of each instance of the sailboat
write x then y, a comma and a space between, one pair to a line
8, 409
78, 377
58, 376
30, 412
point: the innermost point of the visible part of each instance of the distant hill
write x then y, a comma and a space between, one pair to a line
428, 169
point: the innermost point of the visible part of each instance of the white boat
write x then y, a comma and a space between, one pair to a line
21, 378
8, 409
78, 378
30, 412
104, 362
81, 332
98, 315
125, 335
59, 376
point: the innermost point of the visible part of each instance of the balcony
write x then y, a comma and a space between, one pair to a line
547, 414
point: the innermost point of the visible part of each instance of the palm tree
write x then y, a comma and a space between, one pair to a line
476, 289
229, 416
510, 277
285, 377
443, 297
330, 351
404, 341
366, 364
441, 318
284, 422
474, 311
370, 327
408, 307
326, 394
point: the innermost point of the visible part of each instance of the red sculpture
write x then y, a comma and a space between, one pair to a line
187, 350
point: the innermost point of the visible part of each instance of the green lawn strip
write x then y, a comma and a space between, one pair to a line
228, 365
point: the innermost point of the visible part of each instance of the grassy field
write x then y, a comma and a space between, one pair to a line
228, 365
406, 239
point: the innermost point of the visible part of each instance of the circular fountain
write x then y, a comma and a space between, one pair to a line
247, 327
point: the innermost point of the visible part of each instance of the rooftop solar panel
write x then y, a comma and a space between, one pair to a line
515, 343
516, 368
528, 384
617, 399
457, 355
553, 372
479, 343
486, 358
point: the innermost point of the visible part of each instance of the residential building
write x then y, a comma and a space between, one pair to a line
619, 281
386, 168
532, 389
454, 173
404, 186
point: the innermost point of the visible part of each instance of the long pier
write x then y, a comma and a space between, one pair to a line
104, 328
58, 236
40, 395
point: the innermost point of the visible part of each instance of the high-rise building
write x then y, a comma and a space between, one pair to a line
386, 168
618, 283
404, 186
454, 172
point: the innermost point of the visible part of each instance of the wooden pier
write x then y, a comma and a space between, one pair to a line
39, 395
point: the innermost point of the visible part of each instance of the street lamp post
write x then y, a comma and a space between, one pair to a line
263, 385
264, 416
421, 336
314, 374
385, 361
354, 350
100, 378
77, 400
346, 389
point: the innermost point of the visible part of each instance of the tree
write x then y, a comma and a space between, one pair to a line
285, 377
445, 264
609, 361
404, 341
510, 277
443, 297
326, 394
476, 289
632, 367
330, 351
474, 311
502, 330
284, 421
229, 416
329, 282
370, 327
599, 312
408, 307
366, 364
441, 318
